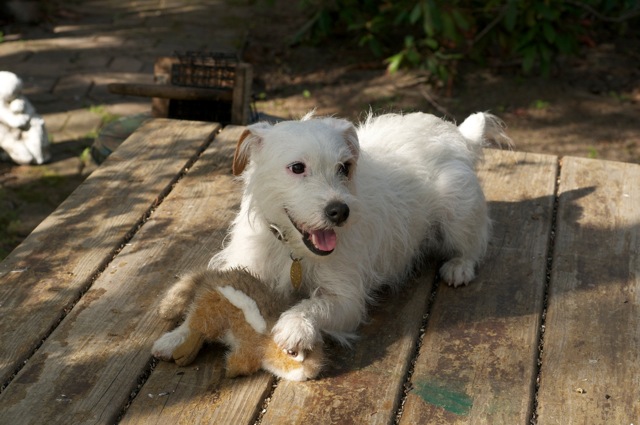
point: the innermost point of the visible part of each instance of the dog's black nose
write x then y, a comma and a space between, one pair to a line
337, 212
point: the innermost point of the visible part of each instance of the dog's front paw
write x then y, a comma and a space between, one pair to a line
295, 333
457, 271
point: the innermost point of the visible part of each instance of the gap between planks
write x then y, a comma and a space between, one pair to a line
119, 247
533, 420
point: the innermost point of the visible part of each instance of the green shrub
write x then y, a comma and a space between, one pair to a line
436, 34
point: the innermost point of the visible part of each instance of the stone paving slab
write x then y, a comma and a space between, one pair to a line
67, 69
67, 62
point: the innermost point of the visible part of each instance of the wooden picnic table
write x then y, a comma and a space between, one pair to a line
548, 332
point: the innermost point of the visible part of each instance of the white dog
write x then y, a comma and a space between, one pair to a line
337, 211
23, 136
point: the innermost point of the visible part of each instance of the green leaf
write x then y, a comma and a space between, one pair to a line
415, 14
448, 27
549, 32
511, 16
546, 54
409, 41
376, 47
530, 18
427, 23
394, 62
460, 20
443, 72
528, 59
431, 43
564, 43
413, 57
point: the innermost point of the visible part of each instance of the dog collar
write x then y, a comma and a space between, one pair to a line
295, 273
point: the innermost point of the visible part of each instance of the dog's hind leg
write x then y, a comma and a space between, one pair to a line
465, 234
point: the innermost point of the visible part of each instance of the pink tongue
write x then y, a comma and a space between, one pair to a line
324, 240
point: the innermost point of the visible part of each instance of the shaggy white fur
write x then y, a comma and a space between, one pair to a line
356, 207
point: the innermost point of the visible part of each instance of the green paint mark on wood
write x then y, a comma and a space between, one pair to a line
451, 401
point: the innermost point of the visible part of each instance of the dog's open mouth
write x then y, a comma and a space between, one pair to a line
320, 241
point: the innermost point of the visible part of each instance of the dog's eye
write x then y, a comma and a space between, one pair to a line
343, 169
297, 167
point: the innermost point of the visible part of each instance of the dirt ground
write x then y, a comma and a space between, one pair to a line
589, 107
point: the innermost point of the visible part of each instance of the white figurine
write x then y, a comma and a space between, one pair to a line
23, 136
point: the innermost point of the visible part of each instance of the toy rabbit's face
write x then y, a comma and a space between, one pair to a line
293, 366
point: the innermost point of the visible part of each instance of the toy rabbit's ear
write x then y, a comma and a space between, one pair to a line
249, 139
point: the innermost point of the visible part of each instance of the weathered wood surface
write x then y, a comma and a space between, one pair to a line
86, 369
164, 91
198, 393
591, 357
363, 385
478, 357
43, 277
477, 363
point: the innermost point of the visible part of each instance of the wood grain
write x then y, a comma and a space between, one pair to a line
591, 357
86, 369
199, 393
477, 363
48, 272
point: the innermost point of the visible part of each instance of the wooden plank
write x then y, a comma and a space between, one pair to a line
199, 394
241, 104
363, 385
591, 357
171, 92
87, 368
48, 272
477, 363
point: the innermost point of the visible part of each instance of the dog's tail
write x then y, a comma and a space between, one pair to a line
484, 129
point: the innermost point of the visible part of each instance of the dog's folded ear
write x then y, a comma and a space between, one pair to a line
252, 136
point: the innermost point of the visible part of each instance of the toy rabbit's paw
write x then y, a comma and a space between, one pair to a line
295, 333
186, 352
165, 345
181, 345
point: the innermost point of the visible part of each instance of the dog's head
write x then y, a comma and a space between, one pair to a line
300, 178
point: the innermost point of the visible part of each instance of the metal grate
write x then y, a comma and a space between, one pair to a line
207, 70
202, 69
